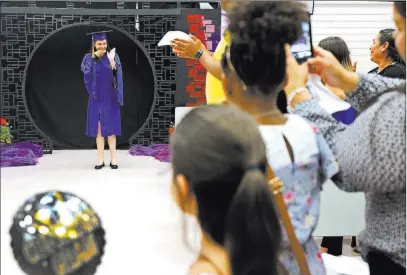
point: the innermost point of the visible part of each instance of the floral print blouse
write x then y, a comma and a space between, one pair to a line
313, 163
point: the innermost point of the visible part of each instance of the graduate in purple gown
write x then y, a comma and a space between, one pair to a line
104, 82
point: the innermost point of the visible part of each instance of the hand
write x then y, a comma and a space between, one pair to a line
331, 71
187, 48
337, 92
111, 55
100, 53
354, 67
296, 75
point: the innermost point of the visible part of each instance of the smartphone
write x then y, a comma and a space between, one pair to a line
302, 48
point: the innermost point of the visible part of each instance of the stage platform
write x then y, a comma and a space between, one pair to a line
143, 226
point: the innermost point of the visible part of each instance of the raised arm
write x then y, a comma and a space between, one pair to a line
87, 69
361, 89
369, 87
371, 152
211, 65
189, 48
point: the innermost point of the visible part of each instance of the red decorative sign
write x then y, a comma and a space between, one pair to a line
204, 30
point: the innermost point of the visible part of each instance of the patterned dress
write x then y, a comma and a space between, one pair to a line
313, 164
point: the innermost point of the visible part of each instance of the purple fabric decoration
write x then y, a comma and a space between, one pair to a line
160, 152
138, 150
160, 147
163, 156
20, 154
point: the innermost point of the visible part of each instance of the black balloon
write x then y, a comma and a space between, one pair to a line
57, 233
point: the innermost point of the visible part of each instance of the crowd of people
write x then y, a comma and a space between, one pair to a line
227, 156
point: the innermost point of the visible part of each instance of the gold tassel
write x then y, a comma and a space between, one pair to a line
93, 49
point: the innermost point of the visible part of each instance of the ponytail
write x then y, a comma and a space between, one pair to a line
252, 230
394, 55
386, 35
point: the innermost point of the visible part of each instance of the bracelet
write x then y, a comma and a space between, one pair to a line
292, 95
198, 54
276, 186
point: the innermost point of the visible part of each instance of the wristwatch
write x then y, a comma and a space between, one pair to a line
198, 54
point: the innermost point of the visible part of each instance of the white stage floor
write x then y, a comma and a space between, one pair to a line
143, 226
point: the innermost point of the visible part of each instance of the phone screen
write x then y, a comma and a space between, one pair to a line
302, 48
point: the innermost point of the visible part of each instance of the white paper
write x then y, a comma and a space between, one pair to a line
326, 99
171, 35
112, 53
205, 6
180, 113
345, 265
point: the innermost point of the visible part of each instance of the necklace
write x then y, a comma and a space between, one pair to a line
388, 65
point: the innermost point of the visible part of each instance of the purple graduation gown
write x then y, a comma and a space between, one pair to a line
105, 88
346, 117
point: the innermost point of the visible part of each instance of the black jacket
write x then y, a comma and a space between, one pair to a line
395, 70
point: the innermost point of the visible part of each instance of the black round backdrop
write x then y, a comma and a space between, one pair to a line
56, 95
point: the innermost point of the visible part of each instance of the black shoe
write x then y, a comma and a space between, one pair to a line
113, 166
98, 167
357, 249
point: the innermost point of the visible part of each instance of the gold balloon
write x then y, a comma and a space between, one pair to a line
57, 232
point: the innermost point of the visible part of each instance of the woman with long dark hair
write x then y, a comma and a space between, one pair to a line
383, 52
219, 166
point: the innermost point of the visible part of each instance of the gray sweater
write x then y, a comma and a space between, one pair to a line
371, 154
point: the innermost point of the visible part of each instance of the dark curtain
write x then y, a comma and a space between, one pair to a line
57, 97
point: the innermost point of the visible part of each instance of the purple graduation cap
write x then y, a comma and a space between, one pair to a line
99, 36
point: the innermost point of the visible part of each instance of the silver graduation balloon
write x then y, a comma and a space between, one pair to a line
57, 233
